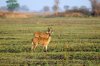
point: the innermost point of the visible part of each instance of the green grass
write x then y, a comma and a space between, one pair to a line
75, 42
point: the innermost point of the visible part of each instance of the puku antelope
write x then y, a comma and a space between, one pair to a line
41, 38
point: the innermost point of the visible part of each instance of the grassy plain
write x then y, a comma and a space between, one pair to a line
75, 42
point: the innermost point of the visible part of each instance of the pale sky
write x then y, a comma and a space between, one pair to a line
36, 5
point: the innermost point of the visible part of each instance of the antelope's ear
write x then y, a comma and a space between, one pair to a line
49, 28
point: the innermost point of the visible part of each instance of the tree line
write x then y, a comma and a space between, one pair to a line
13, 5
95, 4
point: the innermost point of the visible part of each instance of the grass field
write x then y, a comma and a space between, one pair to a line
75, 42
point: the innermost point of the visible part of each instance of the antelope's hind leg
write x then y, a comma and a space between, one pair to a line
33, 46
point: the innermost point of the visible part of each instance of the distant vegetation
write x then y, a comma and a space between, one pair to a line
14, 6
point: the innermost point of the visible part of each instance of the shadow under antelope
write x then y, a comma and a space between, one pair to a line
42, 38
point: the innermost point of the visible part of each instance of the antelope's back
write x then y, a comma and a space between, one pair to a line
41, 34
37, 34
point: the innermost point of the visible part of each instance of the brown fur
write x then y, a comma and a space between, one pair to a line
42, 38
41, 34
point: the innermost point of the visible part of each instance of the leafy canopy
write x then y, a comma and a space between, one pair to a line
12, 5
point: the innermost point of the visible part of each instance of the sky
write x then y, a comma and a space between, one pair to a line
37, 5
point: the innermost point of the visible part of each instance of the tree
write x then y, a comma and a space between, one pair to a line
56, 7
84, 10
95, 4
75, 8
66, 7
12, 5
46, 10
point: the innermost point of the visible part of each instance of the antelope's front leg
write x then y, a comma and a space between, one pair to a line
46, 47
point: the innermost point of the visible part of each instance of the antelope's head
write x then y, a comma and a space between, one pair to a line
50, 31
